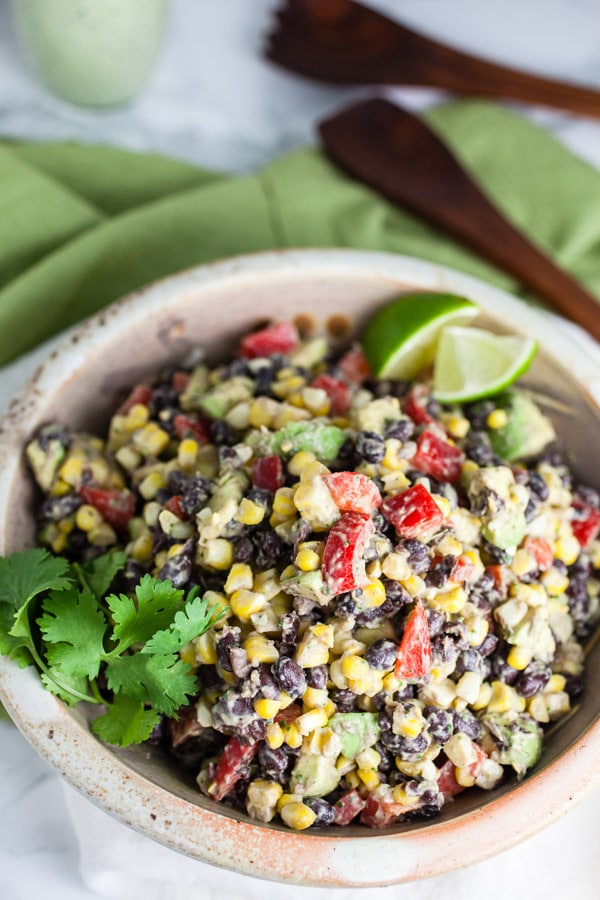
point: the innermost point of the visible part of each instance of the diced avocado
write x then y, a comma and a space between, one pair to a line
226, 395
192, 396
357, 731
527, 431
314, 776
309, 353
44, 462
518, 740
309, 585
506, 529
315, 437
230, 485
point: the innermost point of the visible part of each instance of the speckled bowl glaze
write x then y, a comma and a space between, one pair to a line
213, 306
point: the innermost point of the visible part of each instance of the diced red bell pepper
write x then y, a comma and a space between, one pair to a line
337, 391
353, 366
414, 653
347, 807
289, 714
503, 578
191, 427
116, 507
280, 338
379, 812
353, 492
231, 767
436, 457
462, 570
180, 380
174, 506
343, 565
268, 473
141, 394
585, 523
414, 513
447, 783
415, 404
541, 551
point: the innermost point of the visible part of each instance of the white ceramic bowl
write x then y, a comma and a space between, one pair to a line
212, 306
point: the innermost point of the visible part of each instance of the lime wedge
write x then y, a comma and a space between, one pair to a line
472, 363
401, 338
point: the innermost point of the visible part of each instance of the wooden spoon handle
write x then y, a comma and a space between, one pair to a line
398, 155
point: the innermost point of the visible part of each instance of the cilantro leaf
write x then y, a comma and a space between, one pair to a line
24, 575
194, 619
136, 622
74, 626
9, 644
98, 574
71, 690
162, 680
125, 722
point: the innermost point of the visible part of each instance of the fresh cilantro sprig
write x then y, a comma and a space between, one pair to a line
118, 650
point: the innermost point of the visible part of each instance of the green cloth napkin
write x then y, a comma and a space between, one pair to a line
83, 225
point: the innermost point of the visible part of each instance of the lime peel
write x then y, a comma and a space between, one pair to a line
401, 338
473, 363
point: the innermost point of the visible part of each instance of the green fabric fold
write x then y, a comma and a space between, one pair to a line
82, 225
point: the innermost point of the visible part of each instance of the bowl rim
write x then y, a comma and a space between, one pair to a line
211, 836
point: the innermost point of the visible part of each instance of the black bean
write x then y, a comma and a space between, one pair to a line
177, 481
410, 749
133, 573
478, 448
387, 387
57, 508
439, 573
268, 548
195, 495
401, 430
469, 660
163, 397
436, 621
345, 606
477, 413
408, 692
344, 700
316, 677
253, 731
492, 555
501, 669
538, 486
223, 647
370, 446
418, 555
234, 368
439, 723
387, 762
466, 723
262, 497
177, 570
531, 510
54, 432
263, 381
324, 811
273, 763
397, 594
382, 654
290, 623
221, 432
289, 676
384, 720
589, 495
533, 679
229, 458
243, 549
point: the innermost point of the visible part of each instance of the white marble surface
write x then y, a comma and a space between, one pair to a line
213, 101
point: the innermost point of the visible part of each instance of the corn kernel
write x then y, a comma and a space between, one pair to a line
129, 458
274, 736
308, 721
391, 460
218, 554
352, 780
285, 700
266, 708
293, 738
458, 426
187, 453
372, 594
368, 759
369, 778
567, 548
204, 646
478, 628
354, 667
284, 799
299, 461
464, 776
240, 578
502, 698
307, 560
468, 686
556, 683
102, 535
451, 601
408, 722
391, 683
87, 517
555, 582
71, 471
136, 416
262, 799
188, 654
484, 696
460, 749
519, 658
259, 648
60, 488
443, 505
498, 418
314, 646
262, 410
59, 543
413, 584
314, 698
283, 502
250, 513
298, 815
151, 440
316, 400
395, 566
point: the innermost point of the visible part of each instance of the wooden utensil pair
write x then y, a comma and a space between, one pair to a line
398, 155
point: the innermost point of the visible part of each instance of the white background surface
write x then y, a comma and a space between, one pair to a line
213, 101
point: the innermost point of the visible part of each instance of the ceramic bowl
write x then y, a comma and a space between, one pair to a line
213, 306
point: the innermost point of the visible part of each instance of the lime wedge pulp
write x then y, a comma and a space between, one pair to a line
472, 363
401, 338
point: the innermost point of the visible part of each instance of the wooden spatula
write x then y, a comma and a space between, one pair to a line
397, 154
344, 42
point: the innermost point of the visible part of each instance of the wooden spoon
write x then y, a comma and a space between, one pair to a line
344, 42
398, 155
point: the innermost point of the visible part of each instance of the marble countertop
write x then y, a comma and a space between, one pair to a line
213, 101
